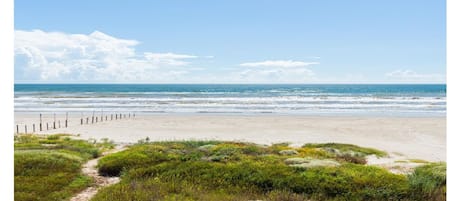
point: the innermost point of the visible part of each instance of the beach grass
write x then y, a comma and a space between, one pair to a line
428, 182
49, 167
219, 170
347, 148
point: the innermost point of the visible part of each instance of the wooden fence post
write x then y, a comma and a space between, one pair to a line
54, 121
17, 129
66, 120
40, 122
59, 123
25, 129
86, 120
34, 128
47, 125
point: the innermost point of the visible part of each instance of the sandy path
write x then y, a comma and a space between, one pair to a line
89, 169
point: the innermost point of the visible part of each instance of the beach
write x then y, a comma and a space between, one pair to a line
404, 120
412, 137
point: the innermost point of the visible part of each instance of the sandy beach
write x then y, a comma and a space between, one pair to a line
413, 137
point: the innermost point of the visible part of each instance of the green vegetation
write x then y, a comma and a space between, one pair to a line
428, 182
347, 148
215, 170
49, 167
418, 161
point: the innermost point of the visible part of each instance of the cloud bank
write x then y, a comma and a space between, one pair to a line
279, 63
412, 76
97, 57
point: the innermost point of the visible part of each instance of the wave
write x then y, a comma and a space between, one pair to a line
268, 101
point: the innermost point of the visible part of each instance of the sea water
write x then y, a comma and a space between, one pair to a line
311, 99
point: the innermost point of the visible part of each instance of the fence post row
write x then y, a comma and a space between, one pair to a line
94, 119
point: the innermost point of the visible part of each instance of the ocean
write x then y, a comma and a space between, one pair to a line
311, 99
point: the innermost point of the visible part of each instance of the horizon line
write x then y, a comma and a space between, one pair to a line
156, 83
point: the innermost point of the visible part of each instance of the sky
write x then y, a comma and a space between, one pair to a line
243, 41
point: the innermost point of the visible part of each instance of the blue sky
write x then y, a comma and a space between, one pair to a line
231, 41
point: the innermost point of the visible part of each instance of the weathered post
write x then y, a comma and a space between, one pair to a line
17, 129
59, 123
66, 119
47, 125
101, 115
86, 120
92, 118
34, 128
54, 121
25, 129
40, 122
120, 116
106, 117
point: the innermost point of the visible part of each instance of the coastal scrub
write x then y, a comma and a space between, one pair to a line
49, 167
219, 170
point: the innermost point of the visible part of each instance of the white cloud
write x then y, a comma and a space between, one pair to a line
279, 63
412, 76
168, 58
57, 56
276, 71
276, 75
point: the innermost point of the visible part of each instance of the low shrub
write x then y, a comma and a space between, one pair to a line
344, 148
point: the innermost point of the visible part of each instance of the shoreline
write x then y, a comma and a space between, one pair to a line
414, 137
185, 114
